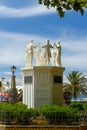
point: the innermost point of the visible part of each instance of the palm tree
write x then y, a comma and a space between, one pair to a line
77, 84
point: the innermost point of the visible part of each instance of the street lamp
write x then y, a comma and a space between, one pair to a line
13, 69
13, 95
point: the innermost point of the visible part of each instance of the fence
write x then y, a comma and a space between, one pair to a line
62, 119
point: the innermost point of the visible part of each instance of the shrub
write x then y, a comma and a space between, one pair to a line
18, 113
22, 114
6, 112
54, 114
59, 114
78, 105
85, 106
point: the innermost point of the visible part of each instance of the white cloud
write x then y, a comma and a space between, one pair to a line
76, 61
7, 72
6, 11
12, 47
74, 53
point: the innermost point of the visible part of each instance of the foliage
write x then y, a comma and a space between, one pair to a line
5, 106
22, 113
77, 84
0, 85
62, 5
53, 114
18, 112
25, 116
6, 112
85, 106
59, 114
78, 105
20, 106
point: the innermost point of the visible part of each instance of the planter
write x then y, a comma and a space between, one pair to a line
36, 127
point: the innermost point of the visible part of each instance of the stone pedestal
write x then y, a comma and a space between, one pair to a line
42, 85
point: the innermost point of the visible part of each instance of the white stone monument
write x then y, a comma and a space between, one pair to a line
42, 84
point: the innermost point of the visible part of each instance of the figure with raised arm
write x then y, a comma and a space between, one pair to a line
29, 55
47, 52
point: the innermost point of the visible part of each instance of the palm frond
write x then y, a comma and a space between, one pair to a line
77, 83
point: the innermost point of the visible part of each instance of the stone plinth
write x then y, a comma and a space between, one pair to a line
42, 85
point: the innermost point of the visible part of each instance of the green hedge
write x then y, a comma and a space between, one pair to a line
18, 113
21, 114
60, 114
78, 105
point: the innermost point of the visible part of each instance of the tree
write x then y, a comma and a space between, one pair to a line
77, 84
0, 85
62, 5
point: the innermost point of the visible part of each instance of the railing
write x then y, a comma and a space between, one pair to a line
5, 118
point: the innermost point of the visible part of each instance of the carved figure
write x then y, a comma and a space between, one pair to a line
29, 53
38, 55
58, 56
40, 60
43, 56
47, 52
53, 55
26, 57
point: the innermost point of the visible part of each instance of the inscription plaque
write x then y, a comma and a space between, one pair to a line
57, 79
27, 79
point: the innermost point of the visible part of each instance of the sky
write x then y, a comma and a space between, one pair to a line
23, 20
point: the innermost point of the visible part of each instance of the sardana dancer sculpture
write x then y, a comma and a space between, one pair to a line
44, 54
43, 74
58, 56
47, 52
29, 55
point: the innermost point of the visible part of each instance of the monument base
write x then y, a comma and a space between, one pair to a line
42, 85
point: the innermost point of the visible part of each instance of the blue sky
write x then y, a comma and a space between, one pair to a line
23, 20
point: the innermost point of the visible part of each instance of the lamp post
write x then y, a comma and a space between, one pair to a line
13, 69
13, 84
13, 94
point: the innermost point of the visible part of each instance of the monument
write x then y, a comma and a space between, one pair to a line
42, 82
